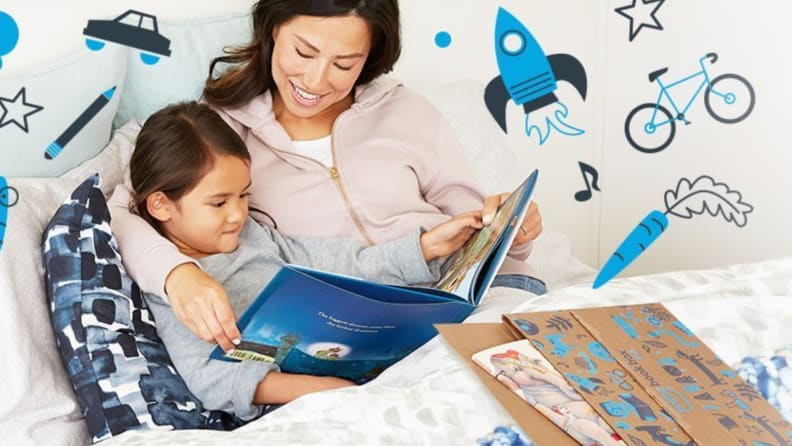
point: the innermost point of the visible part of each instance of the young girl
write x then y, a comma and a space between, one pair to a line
190, 175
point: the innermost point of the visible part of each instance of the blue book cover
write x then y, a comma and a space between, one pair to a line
319, 323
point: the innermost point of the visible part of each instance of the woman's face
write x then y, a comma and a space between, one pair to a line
316, 61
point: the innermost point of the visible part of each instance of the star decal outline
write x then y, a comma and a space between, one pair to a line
14, 120
622, 11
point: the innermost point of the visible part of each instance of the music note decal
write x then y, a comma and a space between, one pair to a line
585, 195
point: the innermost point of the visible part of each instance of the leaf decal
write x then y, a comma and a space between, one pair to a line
704, 194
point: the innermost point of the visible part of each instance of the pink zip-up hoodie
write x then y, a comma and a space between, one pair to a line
397, 166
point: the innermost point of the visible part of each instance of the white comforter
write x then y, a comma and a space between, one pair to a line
431, 397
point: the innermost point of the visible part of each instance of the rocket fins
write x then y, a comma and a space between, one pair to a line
496, 97
568, 68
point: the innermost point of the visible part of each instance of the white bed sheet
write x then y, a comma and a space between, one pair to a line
431, 397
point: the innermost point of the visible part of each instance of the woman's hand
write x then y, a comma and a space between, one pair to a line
444, 239
202, 305
529, 228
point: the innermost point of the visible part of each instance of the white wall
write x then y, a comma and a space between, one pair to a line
559, 29
752, 156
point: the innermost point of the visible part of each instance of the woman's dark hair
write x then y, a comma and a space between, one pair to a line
251, 71
176, 147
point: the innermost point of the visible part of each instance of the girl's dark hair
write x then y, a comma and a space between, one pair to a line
251, 73
176, 147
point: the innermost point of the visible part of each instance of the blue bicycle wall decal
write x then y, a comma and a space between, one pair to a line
729, 98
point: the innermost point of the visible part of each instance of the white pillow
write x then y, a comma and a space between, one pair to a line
65, 90
112, 163
182, 75
38, 404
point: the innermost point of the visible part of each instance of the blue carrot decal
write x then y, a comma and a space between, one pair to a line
689, 199
639, 239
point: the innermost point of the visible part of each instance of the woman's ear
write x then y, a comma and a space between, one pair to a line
159, 206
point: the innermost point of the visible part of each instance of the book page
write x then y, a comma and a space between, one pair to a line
521, 368
459, 272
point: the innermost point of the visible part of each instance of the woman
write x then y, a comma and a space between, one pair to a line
337, 150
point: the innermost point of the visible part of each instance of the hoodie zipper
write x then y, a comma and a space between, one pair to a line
336, 177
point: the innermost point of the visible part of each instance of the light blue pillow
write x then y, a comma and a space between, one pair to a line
182, 75
37, 108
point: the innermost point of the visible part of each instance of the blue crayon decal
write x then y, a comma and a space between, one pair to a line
96, 106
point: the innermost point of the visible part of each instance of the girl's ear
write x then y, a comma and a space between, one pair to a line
159, 206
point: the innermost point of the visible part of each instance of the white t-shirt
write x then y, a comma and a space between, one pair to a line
318, 149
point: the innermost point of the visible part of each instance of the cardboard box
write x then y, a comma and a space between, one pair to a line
640, 368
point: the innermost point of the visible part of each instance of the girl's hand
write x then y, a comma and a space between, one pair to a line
279, 388
444, 239
201, 303
529, 228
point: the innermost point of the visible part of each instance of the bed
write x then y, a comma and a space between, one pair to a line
431, 397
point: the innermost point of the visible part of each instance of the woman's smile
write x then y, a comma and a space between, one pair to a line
303, 97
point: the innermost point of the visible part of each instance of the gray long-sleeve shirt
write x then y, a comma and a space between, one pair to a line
245, 272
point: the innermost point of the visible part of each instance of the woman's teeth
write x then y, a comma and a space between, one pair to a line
304, 94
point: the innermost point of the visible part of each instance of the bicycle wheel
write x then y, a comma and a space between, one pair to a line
644, 134
733, 99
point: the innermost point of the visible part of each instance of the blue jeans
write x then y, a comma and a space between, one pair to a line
521, 282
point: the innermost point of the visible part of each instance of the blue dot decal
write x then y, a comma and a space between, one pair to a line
9, 35
443, 39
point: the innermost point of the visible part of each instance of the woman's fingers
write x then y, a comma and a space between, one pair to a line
530, 227
491, 205
203, 330
217, 333
472, 219
227, 320
202, 305
214, 319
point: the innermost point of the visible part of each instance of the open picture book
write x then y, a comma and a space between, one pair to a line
319, 323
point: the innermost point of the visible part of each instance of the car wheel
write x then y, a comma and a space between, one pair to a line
149, 59
94, 45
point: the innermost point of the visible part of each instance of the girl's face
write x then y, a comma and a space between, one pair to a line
208, 219
316, 62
